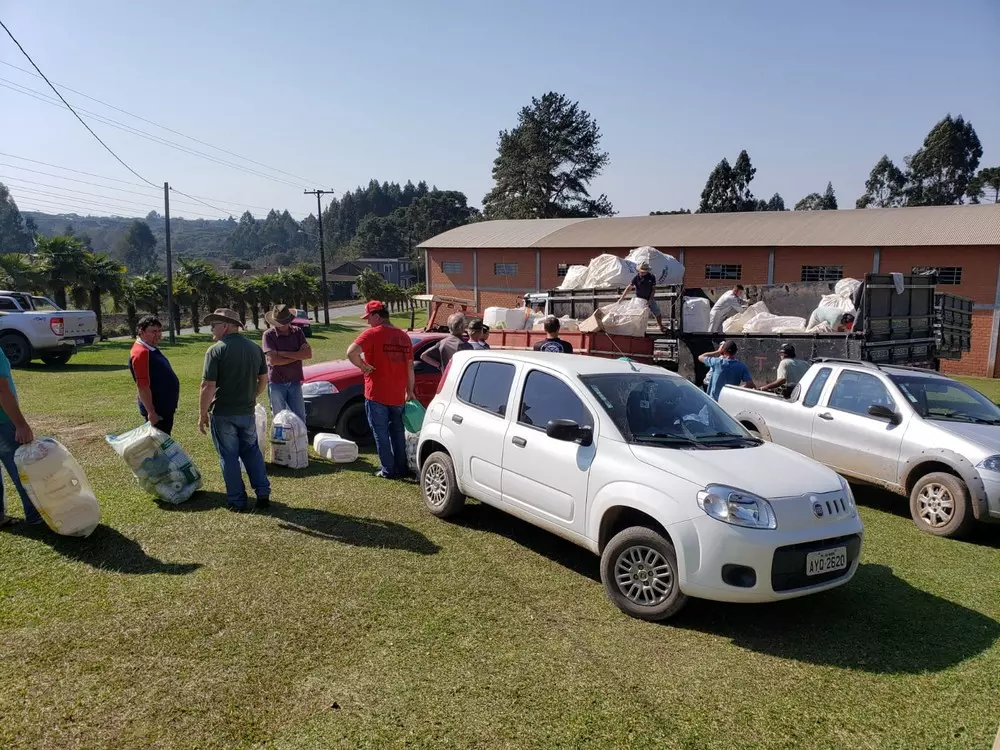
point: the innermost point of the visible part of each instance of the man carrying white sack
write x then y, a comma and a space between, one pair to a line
728, 305
644, 284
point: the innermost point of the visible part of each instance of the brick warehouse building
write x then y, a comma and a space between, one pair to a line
495, 262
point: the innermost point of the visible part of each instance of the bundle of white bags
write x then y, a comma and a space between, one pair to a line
57, 487
611, 271
576, 278
158, 463
627, 318
289, 441
841, 301
608, 271
566, 324
666, 269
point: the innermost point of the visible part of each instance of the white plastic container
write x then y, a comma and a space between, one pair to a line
57, 487
260, 422
289, 441
158, 463
334, 448
509, 318
697, 314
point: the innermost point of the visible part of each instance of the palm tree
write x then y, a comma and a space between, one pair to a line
103, 275
63, 263
19, 273
199, 277
150, 291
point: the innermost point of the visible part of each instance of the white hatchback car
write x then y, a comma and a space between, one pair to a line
641, 467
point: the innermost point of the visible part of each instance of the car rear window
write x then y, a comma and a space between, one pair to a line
486, 385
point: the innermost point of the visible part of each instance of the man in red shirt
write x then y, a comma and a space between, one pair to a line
388, 369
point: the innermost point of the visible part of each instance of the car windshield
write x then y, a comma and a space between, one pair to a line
948, 400
665, 410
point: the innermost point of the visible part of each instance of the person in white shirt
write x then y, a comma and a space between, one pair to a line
726, 306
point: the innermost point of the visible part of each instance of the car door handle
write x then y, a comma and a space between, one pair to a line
520, 442
827, 416
456, 418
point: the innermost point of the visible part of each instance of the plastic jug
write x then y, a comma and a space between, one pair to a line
58, 488
289, 441
158, 463
335, 448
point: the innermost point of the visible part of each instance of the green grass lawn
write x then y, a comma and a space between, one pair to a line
349, 617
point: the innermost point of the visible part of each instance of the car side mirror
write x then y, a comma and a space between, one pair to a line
569, 431
883, 412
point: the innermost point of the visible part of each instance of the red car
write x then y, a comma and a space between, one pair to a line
334, 391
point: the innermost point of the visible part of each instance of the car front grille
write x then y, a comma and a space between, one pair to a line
788, 567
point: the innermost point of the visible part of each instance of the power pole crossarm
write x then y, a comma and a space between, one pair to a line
322, 252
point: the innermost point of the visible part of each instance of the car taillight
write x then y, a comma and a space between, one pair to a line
444, 376
56, 324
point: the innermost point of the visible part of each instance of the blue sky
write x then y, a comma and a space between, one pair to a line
339, 93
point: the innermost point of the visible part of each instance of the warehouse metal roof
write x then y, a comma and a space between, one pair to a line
873, 227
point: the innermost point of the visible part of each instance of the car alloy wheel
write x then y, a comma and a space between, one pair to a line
436, 484
643, 576
937, 506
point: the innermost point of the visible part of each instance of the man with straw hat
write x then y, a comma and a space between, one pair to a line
235, 374
285, 347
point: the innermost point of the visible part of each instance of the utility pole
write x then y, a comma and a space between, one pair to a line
170, 265
322, 252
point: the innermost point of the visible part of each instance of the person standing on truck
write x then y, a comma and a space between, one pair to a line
729, 304
552, 341
389, 383
644, 284
790, 372
285, 347
157, 383
235, 375
441, 353
14, 431
725, 369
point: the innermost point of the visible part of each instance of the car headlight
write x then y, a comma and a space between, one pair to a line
730, 505
990, 464
849, 497
318, 388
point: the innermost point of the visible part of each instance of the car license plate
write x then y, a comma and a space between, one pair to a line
81, 342
826, 561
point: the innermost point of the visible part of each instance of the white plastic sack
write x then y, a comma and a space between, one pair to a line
822, 327
575, 278
57, 487
158, 463
837, 301
566, 324
334, 448
609, 271
830, 315
769, 323
628, 318
412, 439
697, 312
735, 324
289, 441
846, 288
260, 425
666, 269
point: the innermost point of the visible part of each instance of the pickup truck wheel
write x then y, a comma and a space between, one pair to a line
939, 505
17, 348
56, 359
352, 424
639, 572
439, 486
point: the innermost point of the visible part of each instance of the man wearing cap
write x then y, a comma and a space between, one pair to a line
478, 333
285, 347
235, 375
790, 372
725, 369
644, 284
388, 370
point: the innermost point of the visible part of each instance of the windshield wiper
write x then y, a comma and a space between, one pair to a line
662, 437
733, 436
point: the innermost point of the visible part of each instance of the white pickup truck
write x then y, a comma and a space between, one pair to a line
35, 327
914, 432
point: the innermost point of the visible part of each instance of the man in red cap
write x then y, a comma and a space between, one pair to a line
388, 369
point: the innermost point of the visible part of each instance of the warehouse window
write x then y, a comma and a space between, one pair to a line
732, 271
945, 274
452, 266
562, 269
822, 273
505, 269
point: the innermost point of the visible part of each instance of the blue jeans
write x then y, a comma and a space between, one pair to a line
390, 438
287, 396
7, 447
235, 439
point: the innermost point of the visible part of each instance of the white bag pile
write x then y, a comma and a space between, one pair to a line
846, 288
666, 269
289, 441
697, 314
334, 448
609, 271
770, 323
158, 463
628, 318
576, 277
566, 324
833, 306
509, 318
735, 323
57, 487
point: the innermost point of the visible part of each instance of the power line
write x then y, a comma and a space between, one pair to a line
175, 190
125, 212
82, 122
20, 188
164, 127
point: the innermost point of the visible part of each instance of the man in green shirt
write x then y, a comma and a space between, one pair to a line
14, 431
235, 374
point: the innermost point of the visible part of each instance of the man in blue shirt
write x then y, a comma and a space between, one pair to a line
14, 431
725, 369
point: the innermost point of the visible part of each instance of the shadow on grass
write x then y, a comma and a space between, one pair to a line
200, 501
317, 467
352, 530
877, 623
106, 549
73, 367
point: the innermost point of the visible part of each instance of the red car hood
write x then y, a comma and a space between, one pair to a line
339, 371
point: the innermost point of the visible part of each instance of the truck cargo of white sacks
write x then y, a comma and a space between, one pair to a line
611, 271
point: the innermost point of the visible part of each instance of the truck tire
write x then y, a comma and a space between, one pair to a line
439, 487
639, 573
939, 505
352, 424
17, 348
56, 359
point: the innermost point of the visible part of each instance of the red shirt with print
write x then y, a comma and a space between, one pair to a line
390, 352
